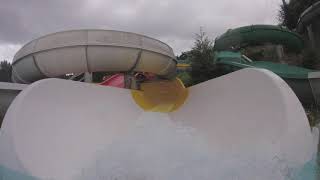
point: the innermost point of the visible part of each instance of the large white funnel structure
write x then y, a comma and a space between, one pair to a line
55, 128
81, 51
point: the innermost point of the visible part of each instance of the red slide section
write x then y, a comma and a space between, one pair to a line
116, 80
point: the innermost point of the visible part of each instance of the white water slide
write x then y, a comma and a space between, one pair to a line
58, 129
81, 51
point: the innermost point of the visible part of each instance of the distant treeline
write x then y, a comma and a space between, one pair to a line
5, 71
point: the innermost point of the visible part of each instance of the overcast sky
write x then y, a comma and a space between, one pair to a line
172, 21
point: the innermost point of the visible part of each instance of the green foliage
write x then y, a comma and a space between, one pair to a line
289, 13
313, 116
5, 71
202, 59
183, 57
185, 78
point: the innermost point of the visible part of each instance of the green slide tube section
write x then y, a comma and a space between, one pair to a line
239, 61
227, 57
296, 77
257, 35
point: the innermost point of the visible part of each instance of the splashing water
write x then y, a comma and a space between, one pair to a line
311, 170
157, 148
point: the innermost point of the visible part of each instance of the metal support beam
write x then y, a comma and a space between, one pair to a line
88, 77
311, 36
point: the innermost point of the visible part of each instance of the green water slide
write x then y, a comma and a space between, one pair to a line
304, 82
239, 61
257, 35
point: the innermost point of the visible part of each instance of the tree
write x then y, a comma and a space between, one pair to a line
5, 71
202, 59
183, 57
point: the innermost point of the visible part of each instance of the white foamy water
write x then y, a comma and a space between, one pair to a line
159, 149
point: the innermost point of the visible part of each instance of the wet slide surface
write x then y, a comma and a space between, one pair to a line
256, 129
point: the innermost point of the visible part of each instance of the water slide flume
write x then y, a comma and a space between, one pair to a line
156, 96
306, 18
235, 39
54, 128
304, 82
116, 80
81, 51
